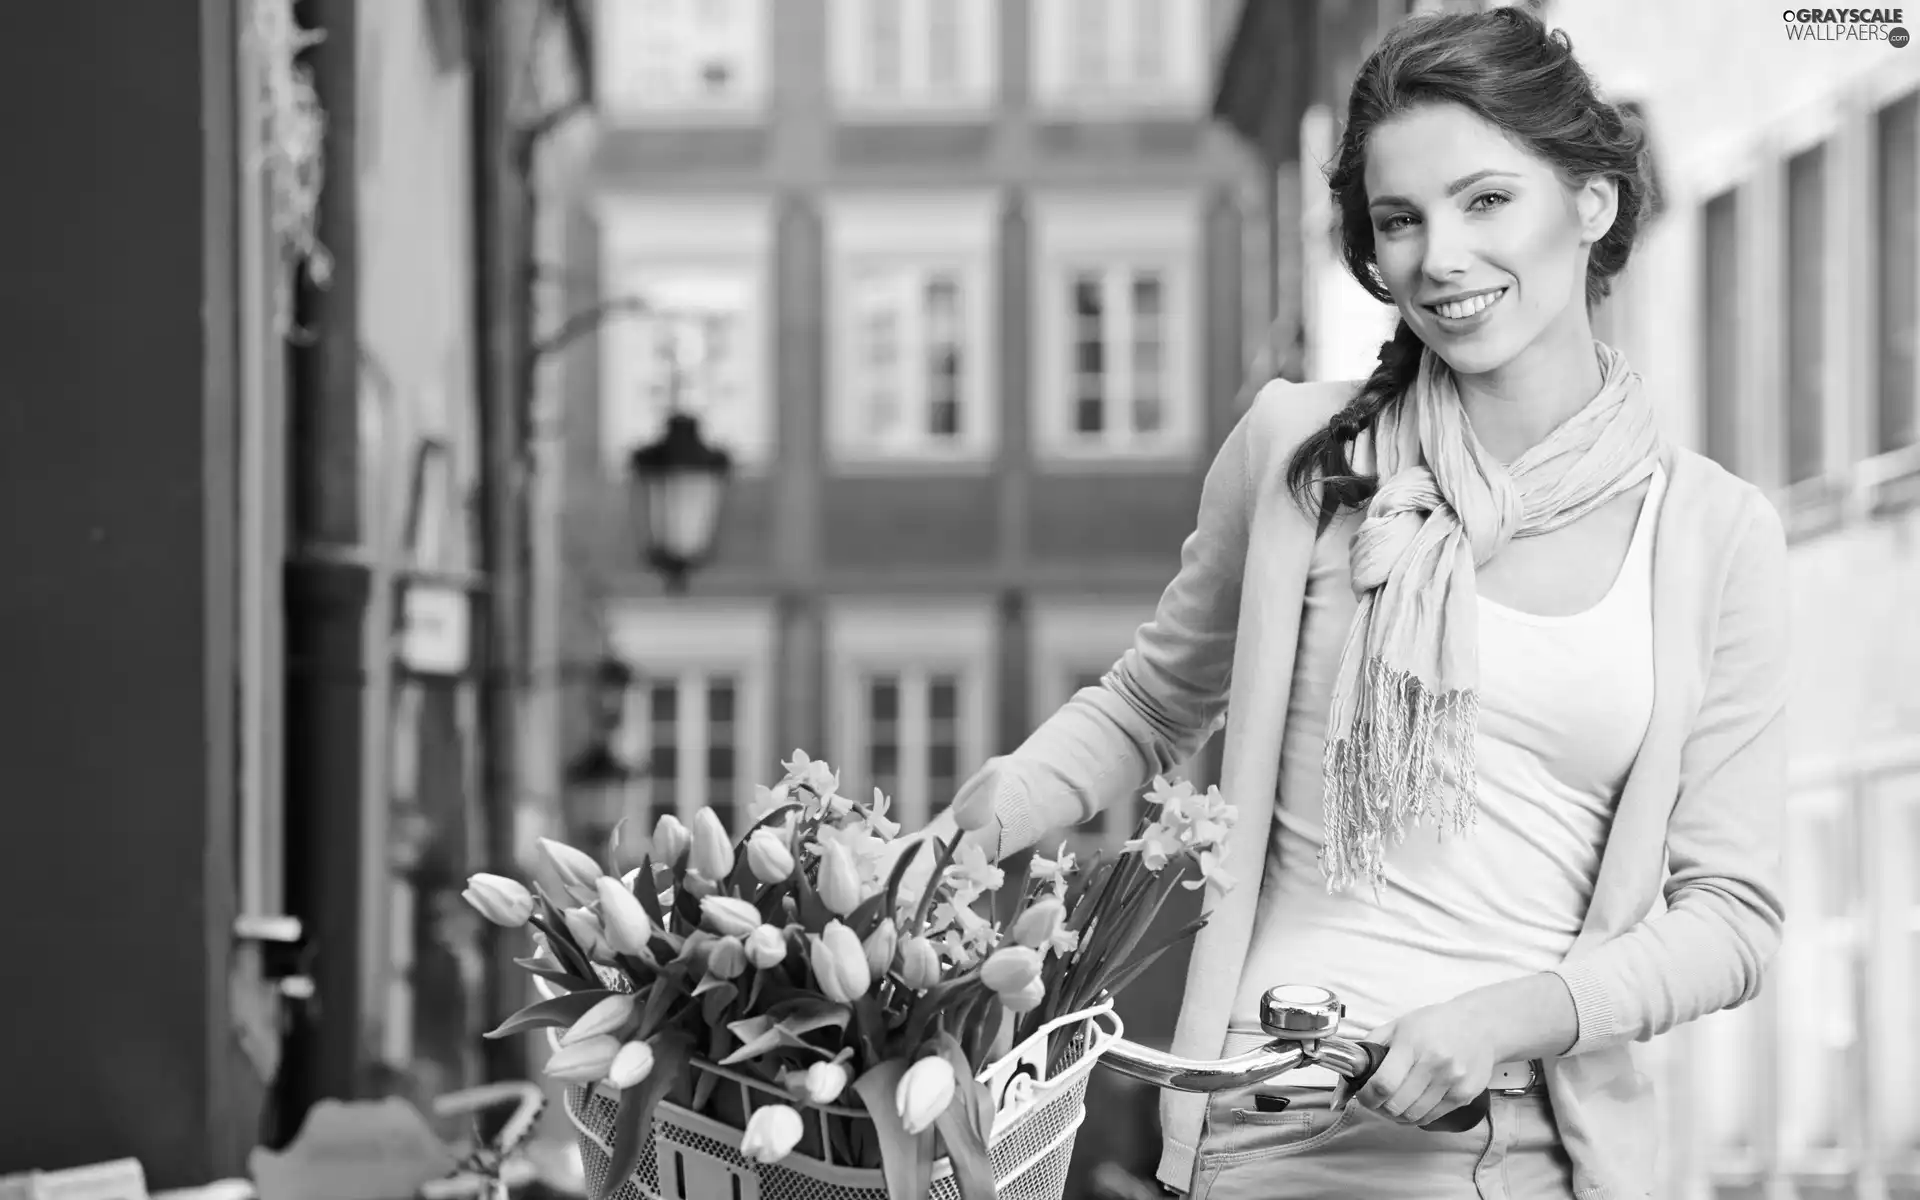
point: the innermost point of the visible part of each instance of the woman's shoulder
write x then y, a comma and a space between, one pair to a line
1283, 414
1727, 517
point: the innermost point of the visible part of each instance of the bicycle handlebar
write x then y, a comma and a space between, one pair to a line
1301, 1021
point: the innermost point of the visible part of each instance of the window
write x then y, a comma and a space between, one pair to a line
910, 700
1821, 964
894, 55
1805, 313
1896, 1052
682, 56
1117, 373
698, 714
686, 282
1720, 320
1075, 643
912, 352
1120, 54
1896, 271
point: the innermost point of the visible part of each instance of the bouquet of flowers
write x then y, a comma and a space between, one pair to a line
807, 957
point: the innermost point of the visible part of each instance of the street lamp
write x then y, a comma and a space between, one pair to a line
678, 483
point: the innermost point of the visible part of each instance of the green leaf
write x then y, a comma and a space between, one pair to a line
613, 847
565, 950
966, 1124
561, 1011
814, 913
660, 997
671, 1052
704, 1082
905, 1158
545, 969
646, 889
866, 918
899, 874
940, 864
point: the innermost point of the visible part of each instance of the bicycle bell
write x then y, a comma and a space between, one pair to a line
1300, 1012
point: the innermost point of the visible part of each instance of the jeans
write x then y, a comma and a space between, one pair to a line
1309, 1152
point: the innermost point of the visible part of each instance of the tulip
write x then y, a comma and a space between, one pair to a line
924, 1093
712, 852
670, 840
730, 915
919, 963
611, 1015
499, 899
823, 1082
1027, 998
585, 928
766, 947
880, 945
771, 1134
622, 919
768, 857
840, 964
633, 1063
839, 879
584, 1062
727, 958
1010, 968
1036, 926
576, 870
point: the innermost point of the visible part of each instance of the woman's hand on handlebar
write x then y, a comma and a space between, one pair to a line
1439, 1058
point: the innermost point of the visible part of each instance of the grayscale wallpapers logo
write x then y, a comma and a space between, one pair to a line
1847, 25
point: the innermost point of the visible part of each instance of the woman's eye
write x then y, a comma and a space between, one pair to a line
1490, 200
1395, 223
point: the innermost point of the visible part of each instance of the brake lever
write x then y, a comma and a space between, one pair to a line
1459, 1120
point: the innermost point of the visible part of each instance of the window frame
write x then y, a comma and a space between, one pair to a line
621, 102
858, 98
928, 232
1078, 232
662, 237
1890, 828
693, 645
914, 638
1053, 34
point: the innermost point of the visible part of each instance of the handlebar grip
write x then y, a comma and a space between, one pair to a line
1459, 1120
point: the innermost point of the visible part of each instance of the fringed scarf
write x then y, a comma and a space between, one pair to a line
1400, 739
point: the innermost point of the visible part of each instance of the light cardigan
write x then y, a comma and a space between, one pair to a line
1698, 819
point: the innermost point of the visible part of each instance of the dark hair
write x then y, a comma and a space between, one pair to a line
1505, 66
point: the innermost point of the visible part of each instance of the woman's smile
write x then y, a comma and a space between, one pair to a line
1466, 310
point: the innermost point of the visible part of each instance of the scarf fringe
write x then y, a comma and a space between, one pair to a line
1407, 759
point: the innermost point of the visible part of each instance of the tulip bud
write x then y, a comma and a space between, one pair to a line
840, 964
823, 1082
670, 840
839, 879
576, 870
622, 919
611, 1015
1036, 926
768, 857
585, 928
880, 945
727, 958
919, 963
631, 1064
730, 915
766, 947
712, 853
924, 1093
1010, 968
771, 1134
584, 1062
1027, 998
503, 901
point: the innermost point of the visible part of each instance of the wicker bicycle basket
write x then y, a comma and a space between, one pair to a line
1038, 1107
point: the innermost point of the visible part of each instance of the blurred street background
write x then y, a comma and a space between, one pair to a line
437, 424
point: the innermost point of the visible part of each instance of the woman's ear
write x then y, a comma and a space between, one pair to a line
1598, 202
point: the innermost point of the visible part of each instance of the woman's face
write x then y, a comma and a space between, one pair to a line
1481, 243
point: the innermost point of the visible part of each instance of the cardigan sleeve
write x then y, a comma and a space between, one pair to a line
1158, 704
1708, 949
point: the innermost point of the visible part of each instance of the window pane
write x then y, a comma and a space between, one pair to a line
943, 356
943, 738
722, 749
883, 733
1089, 36
1149, 352
1896, 279
884, 48
1089, 354
1805, 311
1150, 40
1720, 276
878, 351
944, 36
663, 739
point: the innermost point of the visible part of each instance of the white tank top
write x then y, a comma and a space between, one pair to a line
1564, 704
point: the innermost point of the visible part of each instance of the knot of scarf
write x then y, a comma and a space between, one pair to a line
1400, 738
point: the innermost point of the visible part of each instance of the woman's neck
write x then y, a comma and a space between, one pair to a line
1514, 407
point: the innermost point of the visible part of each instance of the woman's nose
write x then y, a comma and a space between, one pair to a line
1447, 252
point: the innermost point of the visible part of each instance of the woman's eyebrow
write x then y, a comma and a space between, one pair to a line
1453, 189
